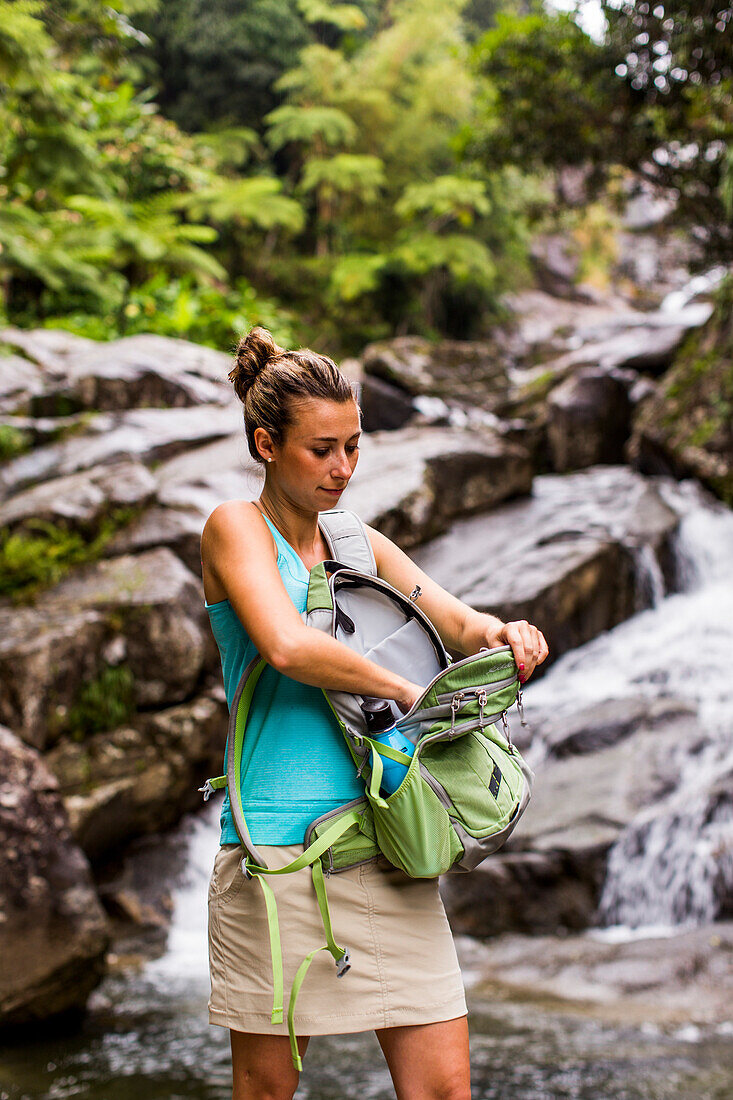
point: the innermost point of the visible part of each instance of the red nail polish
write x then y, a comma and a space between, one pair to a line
521, 667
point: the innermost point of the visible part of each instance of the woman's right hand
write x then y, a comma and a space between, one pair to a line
408, 696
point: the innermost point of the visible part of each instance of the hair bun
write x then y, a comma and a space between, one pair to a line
252, 355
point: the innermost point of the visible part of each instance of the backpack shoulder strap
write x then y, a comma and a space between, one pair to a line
347, 539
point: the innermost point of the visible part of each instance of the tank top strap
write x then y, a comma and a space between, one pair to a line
286, 549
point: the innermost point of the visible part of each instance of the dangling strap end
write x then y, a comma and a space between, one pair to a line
343, 964
298, 1062
277, 1015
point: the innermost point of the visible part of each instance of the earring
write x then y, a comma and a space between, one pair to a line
269, 460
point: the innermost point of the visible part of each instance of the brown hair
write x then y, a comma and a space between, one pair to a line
269, 380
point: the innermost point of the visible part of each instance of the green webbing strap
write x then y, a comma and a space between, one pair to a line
378, 751
313, 851
340, 954
319, 883
275, 950
311, 855
297, 982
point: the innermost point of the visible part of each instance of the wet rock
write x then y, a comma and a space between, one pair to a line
149, 605
570, 558
53, 932
117, 374
146, 435
176, 528
556, 262
140, 778
660, 979
411, 483
138, 372
384, 406
79, 501
589, 420
605, 724
687, 427
52, 349
537, 893
469, 373
19, 381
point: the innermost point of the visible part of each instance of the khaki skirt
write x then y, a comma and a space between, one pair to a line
404, 968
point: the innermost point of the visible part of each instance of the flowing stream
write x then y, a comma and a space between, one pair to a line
673, 864
146, 1035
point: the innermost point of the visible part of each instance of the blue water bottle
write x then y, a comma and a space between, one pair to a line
380, 724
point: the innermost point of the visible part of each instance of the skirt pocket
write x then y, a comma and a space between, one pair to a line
227, 878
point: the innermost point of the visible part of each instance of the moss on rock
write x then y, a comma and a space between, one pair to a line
687, 428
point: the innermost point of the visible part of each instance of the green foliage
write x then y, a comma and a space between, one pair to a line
215, 63
13, 441
326, 126
347, 17
655, 95
333, 140
182, 308
445, 199
101, 704
42, 553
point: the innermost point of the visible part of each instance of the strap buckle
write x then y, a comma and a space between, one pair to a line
343, 964
207, 789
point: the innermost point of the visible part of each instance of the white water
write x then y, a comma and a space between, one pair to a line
185, 963
674, 863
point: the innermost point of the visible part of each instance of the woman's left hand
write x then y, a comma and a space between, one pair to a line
528, 645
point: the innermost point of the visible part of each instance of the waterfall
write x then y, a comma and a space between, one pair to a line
673, 865
185, 961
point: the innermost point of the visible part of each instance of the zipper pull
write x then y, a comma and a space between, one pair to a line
455, 704
520, 704
482, 697
507, 734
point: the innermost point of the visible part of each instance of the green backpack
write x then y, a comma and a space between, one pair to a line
466, 784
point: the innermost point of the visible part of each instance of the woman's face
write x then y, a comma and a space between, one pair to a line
319, 454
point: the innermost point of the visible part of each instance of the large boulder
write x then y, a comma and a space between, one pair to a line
53, 932
80, 501
467, 372
146, 435
144, 612
140, 778
687, 428
411, 483
589, 419
567, 558
132, 372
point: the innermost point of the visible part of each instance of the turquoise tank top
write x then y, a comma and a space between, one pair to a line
295, 763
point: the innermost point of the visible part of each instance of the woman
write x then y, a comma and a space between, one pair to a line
302, 423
